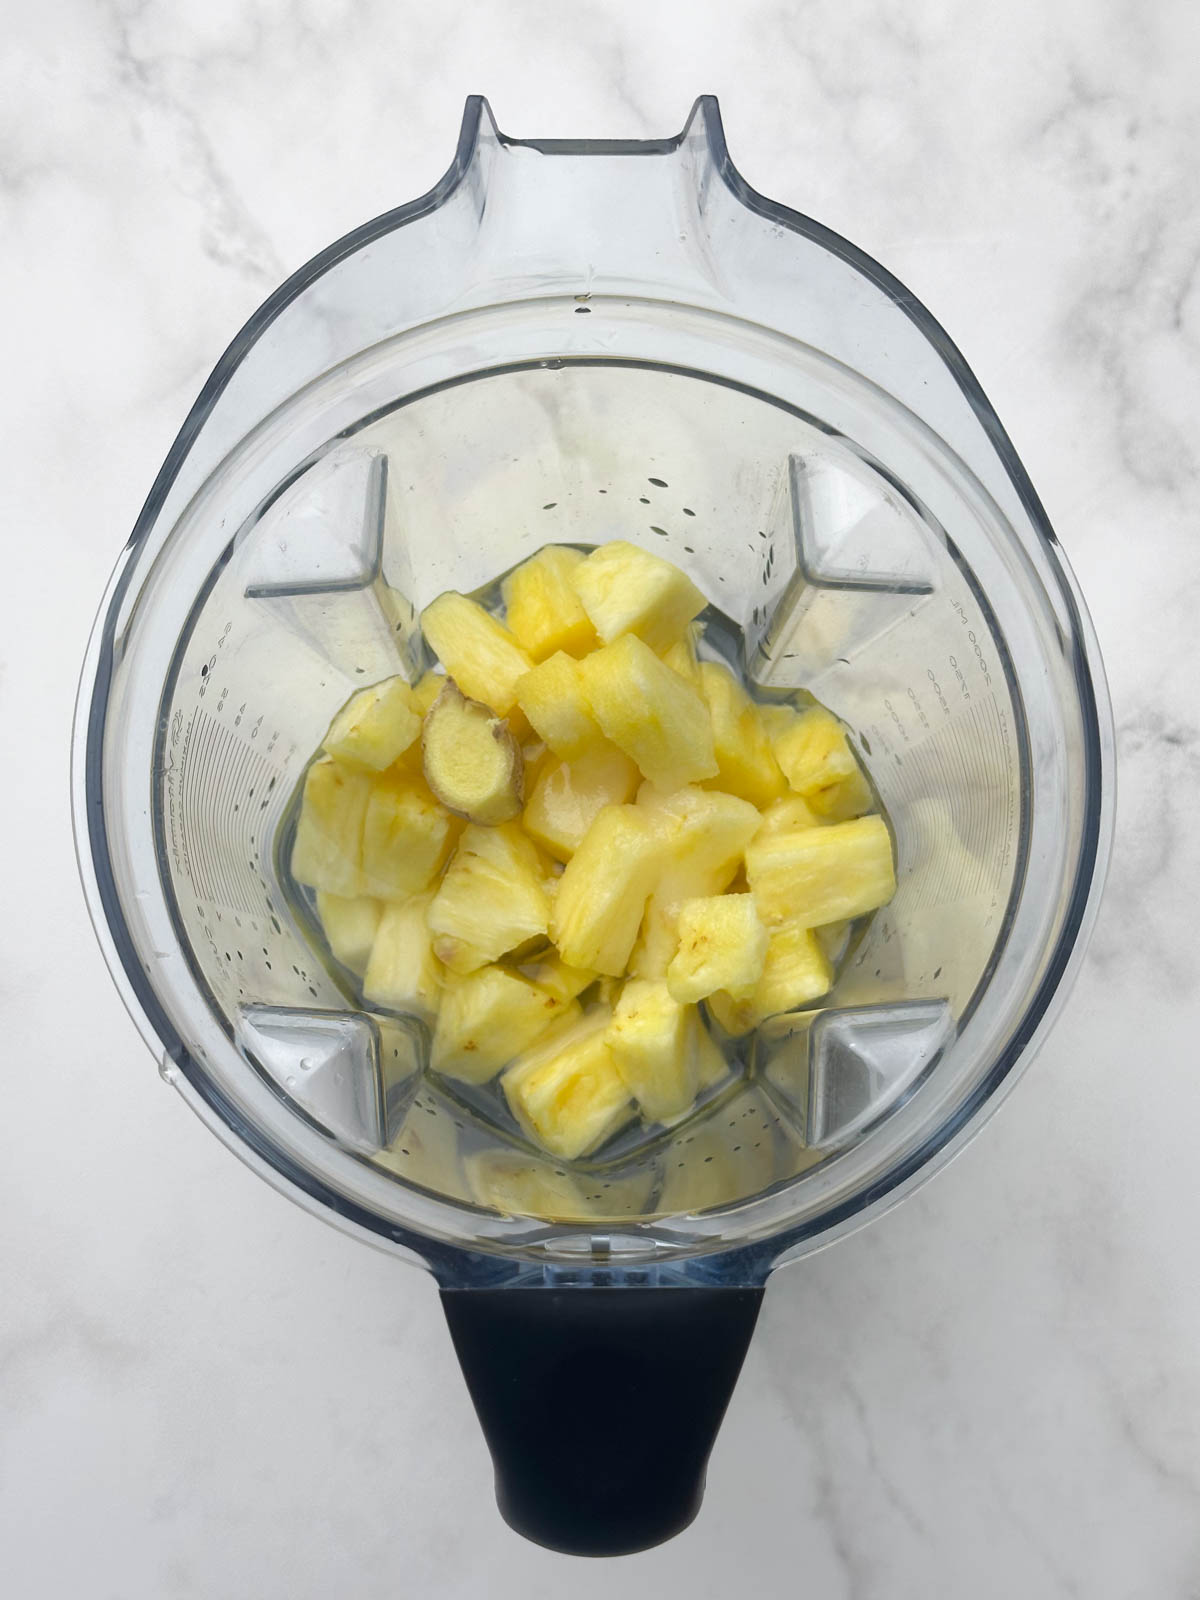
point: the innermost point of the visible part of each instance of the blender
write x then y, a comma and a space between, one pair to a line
572, 342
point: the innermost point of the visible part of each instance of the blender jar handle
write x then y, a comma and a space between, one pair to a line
600, 1406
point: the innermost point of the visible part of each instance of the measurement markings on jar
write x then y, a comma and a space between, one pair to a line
960, 776
222, 803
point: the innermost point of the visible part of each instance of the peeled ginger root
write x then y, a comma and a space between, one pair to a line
472, 762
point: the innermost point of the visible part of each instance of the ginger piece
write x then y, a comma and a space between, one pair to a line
472, 762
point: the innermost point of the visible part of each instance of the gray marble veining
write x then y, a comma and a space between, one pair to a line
992, 1391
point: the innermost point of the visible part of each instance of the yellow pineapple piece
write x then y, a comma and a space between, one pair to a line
707, 832
553, 974
777, 719
734, 1017
625, 1193
717, 1164
543, 610
492, 898
327, 853
407, 836
608, 991
566, 1091
553, 699
657, 940
532, 950
796, 972
788, 814
681, 657
627, 590
722, 945
603, 891
568, 795
840, 802
478, 652
426, 690
817, 875
704, 833
743, 749
816, 758
375, 726
650, 712
425, 1151
403, 973
833, 938
350, 926
537, 759
710, 1063
486, 1019
518, 1185
651, 1043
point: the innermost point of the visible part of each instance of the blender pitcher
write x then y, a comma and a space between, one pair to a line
573, 342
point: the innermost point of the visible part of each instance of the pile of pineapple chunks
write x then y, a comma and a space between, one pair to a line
559, 849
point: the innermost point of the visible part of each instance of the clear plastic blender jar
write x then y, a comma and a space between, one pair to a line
571, 343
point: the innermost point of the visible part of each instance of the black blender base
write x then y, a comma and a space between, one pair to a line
600, 1406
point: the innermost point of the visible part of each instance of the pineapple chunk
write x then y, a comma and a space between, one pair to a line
566, 1092
777, 719
532, 950
553, 699
796, 972
426, 690
486, 1019
711, 1065
537, 759
407, 836
707, 832
681, 657
492, 898
841, 802
569, 795
833, 939
403, 973
608, 991
747, 763
350, 926
819, 765
651, 1043
375, 726
471, 761
603, 891
425, 1151
723, 1160
704, 833
788, 814
627, 590
650, 712
518, 1185
722, 945
657, 940
327, 853
557, 978
478, 652
543, 610
817, 875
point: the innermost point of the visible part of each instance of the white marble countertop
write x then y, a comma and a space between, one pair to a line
993, 1391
